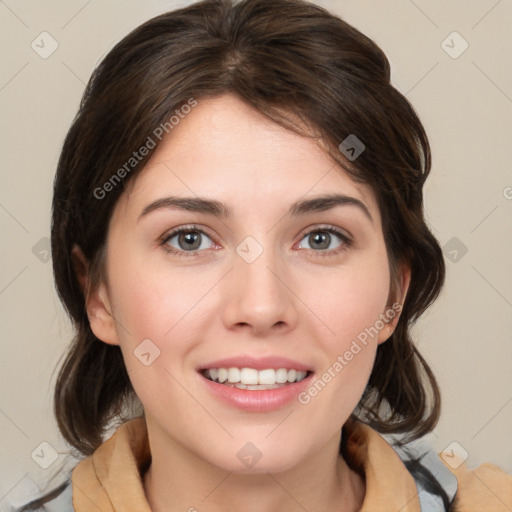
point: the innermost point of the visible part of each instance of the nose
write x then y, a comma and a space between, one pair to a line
259, 298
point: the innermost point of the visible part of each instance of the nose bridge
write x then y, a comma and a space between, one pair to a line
257, 295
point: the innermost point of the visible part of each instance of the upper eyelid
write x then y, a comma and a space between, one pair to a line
326, 227
176, 231
305, 232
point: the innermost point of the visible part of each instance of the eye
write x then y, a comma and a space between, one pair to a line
328, 240
186, 239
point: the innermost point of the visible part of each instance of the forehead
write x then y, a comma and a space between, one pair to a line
226, 150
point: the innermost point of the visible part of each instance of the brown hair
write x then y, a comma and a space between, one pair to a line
288, 59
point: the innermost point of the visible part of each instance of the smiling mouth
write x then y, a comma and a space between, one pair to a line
252, 379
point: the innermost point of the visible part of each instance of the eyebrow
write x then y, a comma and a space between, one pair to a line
218, 209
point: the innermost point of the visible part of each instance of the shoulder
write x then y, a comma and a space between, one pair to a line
485, 488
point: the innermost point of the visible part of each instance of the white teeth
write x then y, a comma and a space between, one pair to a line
266, 377
234, 375
282, 375
250, 378
243, 386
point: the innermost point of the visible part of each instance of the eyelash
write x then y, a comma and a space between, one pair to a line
345, 239
177, 231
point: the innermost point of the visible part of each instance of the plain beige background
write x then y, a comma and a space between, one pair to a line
465, 102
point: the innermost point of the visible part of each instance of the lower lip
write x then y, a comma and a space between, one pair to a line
257, 400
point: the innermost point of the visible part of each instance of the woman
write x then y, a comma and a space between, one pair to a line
238, 236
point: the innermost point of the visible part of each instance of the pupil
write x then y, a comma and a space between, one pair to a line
189, 240
321, 240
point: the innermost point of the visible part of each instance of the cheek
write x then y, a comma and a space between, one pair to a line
350, 300
350, 303
153, 301
159, 311
153, 314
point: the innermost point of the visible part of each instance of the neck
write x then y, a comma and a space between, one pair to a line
180, 480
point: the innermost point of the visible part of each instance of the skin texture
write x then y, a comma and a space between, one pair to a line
295, 300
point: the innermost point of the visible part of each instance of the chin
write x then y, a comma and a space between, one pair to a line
251, 458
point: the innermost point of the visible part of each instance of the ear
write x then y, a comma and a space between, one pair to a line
97, 302
392, 313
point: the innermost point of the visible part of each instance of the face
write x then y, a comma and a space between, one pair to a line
266, 270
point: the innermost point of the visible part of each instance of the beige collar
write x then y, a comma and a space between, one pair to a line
110, 480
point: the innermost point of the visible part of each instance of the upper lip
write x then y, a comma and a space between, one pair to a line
258, 363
